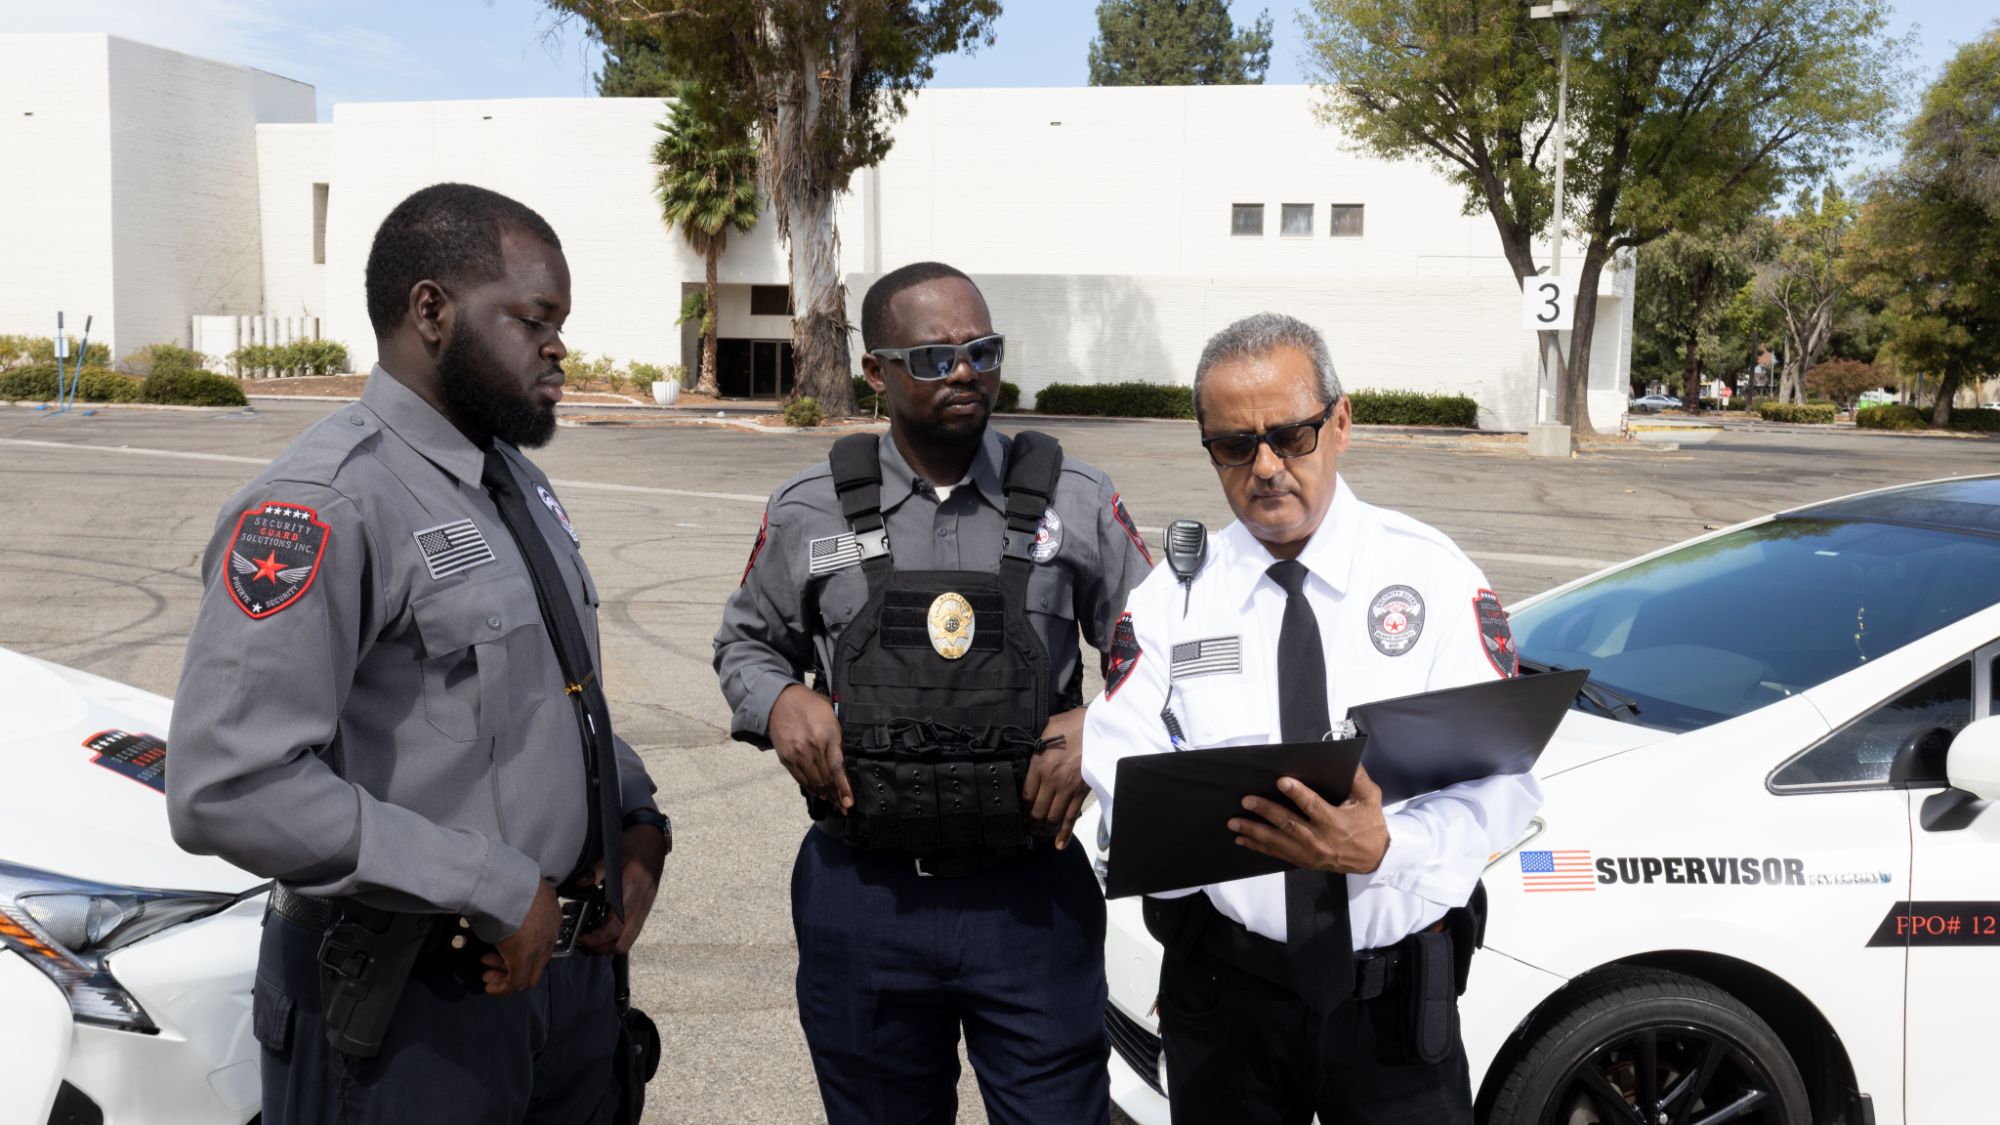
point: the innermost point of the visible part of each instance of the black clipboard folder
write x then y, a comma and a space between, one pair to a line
1173, 809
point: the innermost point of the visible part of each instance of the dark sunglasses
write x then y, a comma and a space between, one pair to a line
1233, 451
931, 362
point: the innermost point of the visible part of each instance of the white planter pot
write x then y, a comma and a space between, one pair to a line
665, 391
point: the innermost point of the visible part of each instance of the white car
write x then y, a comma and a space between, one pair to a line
125, 962
1649, 404
1765, 886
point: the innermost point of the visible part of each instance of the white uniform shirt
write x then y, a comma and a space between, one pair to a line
1399, 612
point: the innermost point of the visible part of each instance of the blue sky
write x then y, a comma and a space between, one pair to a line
398, 50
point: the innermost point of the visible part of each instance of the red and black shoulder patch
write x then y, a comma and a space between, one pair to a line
1123, 656
1496, 637
1124, 519
757, 548
274, 556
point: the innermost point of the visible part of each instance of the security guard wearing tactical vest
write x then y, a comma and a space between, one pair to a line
934, 585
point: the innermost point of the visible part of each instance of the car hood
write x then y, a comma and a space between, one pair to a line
1584, 738
69, 809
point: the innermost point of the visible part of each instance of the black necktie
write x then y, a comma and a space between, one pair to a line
593, 715
1316, 928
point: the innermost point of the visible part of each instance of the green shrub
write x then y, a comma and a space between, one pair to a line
1976, 421
37, 383
1413, 408
1811, 413
644, 375
1117, 400
13, 350
804, 413
864, 397
1891, 416
29, 384
42, 349
192, 388
1008, 400
299, 357
161, 357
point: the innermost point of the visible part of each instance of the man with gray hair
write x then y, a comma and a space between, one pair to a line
1330, 988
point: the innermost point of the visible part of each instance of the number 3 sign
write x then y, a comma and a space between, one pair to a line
1548, 303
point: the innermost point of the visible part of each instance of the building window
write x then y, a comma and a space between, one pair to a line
1346, 220
1295, 220
1246, 220
770, 300
319, 224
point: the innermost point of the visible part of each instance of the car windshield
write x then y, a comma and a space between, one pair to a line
1723, 627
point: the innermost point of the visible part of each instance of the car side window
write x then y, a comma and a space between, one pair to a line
1900, 743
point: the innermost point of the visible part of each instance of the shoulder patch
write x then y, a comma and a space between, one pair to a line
1124, 519
555, 508
1496, 637
273, 556
830, 553
1395, 620
1123, 657
757, 548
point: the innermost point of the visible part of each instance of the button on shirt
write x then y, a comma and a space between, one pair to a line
397, 730
1395, 601
801, 588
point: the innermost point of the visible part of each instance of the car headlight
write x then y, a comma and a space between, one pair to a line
67, 927
1102, 864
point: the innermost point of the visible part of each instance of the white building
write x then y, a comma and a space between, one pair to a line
1112, 230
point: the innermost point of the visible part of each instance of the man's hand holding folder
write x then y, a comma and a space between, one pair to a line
1349, 838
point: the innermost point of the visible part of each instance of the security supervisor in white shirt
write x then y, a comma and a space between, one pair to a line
1330, 988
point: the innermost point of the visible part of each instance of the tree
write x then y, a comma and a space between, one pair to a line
1929, 234
1679, 110
1177, 43
635, 66
1842, 380
707, 185
825, 81
1803, 280
1683, 289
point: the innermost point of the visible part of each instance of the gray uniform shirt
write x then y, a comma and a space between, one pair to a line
397, 730
801, 589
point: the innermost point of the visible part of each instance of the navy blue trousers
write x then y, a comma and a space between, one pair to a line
892, 964
453, 1055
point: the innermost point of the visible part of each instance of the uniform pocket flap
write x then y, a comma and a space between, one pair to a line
475, 612
270, 1016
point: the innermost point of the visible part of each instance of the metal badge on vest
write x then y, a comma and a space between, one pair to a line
940, 683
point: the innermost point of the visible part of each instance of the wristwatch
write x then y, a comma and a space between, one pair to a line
654, 817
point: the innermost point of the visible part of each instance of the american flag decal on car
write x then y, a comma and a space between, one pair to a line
1557, 871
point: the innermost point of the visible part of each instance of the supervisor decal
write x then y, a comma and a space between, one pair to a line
1719, 871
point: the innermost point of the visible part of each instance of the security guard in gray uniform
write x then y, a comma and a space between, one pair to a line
934, 583
390, 705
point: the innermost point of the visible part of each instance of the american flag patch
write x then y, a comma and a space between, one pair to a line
824, 556
1557, 871
451, 547
1211, 657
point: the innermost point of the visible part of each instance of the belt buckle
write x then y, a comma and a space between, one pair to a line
579, 916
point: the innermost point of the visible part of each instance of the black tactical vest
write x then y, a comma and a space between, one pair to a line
940, 683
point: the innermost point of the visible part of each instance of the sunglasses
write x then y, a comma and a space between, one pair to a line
931, 362
1233, 451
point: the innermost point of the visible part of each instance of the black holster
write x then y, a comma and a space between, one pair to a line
637, 1057
364, 962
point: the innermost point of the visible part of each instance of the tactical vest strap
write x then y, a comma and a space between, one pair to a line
857, 479
1034, 465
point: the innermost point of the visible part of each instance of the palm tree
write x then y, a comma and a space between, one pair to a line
707, 185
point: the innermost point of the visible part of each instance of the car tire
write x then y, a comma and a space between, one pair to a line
1582, 1062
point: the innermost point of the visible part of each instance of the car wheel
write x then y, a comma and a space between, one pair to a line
1651, 1047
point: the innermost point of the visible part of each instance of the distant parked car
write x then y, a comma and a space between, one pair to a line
1649, 404
1989, 406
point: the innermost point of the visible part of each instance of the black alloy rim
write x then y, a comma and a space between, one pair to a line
1666, 1074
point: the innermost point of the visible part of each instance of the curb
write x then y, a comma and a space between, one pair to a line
74, 406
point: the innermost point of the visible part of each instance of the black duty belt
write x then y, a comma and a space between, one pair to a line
580, 915
1225, 941
948, 863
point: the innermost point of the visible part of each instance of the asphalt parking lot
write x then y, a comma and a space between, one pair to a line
103, 518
